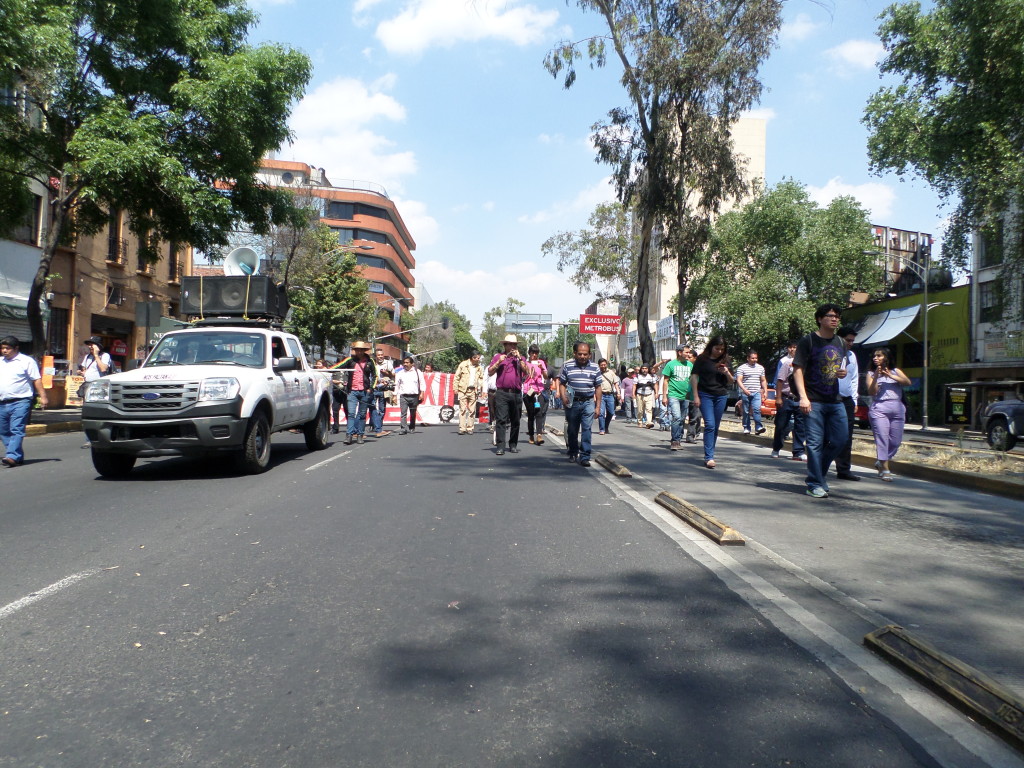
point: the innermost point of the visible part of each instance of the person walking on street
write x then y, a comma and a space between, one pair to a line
362, 376
95, 365
848, 391
381, 390
645, 384
888, 414
628, 385
509, 369
753, 391
787, 413
470, 382
819, 364
534, 400
675, 392
712, 377
20, 384
410, 388
610, 395
693, 417
584, 379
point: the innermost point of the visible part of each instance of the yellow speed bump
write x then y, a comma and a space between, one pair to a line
699, 519
975, 690
612, 466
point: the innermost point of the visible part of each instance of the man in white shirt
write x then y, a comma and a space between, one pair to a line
20, 383
848, 390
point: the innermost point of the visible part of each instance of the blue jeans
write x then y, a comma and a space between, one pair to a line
358, 402
751, 406
788, 414
13, 418
678, 410
712, 408
607, 411
579, 418
826, 436
377, 409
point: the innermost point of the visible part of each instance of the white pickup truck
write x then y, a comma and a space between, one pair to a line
208, 390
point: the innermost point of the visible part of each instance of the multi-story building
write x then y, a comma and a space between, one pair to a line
363, 216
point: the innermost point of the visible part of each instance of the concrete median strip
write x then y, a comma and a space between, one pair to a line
699, 519
612, 466
980, 694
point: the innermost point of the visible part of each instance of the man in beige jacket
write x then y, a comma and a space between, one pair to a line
470, 383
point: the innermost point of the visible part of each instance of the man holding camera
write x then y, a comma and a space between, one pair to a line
510, 370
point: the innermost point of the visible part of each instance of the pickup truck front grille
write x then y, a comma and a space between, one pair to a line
154, 397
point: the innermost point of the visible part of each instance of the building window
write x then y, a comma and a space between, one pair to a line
58, 332
343, 211
28, 230
991, 245
371, 261
990, 302
174, 267
117, 247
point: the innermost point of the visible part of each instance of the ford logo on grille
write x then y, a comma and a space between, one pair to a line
151, 396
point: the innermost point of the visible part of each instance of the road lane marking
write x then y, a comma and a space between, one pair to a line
328, 461
12, 608
854, 664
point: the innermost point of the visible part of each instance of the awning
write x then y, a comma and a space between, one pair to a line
884, 326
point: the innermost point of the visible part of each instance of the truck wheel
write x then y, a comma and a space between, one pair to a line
999, 436
112, 464
255, 456
317, 430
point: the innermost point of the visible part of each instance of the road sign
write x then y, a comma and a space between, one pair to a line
607, 325
519, 322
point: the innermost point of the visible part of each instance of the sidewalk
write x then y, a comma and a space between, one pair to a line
45, 421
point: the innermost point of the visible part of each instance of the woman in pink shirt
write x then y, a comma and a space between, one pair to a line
535, 399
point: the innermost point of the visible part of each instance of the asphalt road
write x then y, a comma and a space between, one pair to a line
415, 601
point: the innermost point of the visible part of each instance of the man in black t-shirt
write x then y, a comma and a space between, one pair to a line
819, 363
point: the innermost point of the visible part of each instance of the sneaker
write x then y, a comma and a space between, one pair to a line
818, 493
760, 430
674, 446
691, 440
746, 430
800, 457
585, 462
775, 454
572, 457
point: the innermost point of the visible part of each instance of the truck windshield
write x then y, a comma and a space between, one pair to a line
209, 348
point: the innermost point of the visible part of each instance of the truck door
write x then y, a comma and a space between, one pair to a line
282, 384
304, 391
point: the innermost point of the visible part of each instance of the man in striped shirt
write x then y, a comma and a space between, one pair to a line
753, 389
583, 378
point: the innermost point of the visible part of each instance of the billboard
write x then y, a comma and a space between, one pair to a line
608, 325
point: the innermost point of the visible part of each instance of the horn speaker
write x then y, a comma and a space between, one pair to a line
242, 262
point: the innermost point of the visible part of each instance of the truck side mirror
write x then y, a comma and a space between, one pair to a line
286, 364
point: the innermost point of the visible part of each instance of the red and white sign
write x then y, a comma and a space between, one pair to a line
118, 347
606, 325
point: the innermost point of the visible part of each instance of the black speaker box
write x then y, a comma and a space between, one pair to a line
249, 295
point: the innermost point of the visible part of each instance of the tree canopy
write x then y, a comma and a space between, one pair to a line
771, 262
954, 120
444, 347
689, 71
157, 109
493, 330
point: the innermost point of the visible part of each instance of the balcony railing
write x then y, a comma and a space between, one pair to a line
117, 251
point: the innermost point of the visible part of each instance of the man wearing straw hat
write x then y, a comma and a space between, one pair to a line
361, 379
510, 369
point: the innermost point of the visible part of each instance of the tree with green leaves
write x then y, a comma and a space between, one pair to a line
444, 347
331, 307
560, 347
493, 330
689, 71
955, 119
771, 262
157, 109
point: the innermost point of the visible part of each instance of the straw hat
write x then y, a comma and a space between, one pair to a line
510, 339
360, 345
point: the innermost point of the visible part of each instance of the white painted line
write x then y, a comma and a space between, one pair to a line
849, 660
11, 608
328, 461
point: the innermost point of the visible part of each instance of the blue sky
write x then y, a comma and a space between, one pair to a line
446, 103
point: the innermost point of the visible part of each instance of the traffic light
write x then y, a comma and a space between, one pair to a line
444, 323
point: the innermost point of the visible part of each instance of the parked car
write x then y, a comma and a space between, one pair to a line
1003, 422
860, 413
767, 406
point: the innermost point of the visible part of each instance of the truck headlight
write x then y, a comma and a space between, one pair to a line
218, 389
98, 391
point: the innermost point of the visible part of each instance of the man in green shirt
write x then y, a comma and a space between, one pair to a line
675, 391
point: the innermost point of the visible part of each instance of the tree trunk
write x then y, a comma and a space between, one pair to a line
54, 234
643, 290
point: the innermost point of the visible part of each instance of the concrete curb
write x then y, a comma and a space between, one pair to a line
997, 486
34, 430
612, 466
707, 524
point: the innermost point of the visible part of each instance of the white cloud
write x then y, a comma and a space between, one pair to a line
762, 113
876, 197
799, 29
425, 24
855, 55
584, 202
331, 133
476, 291
424, 228
547, 138
488, 206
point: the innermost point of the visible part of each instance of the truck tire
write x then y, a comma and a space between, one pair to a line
999, 436
112, 464
255, 455
317, 431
